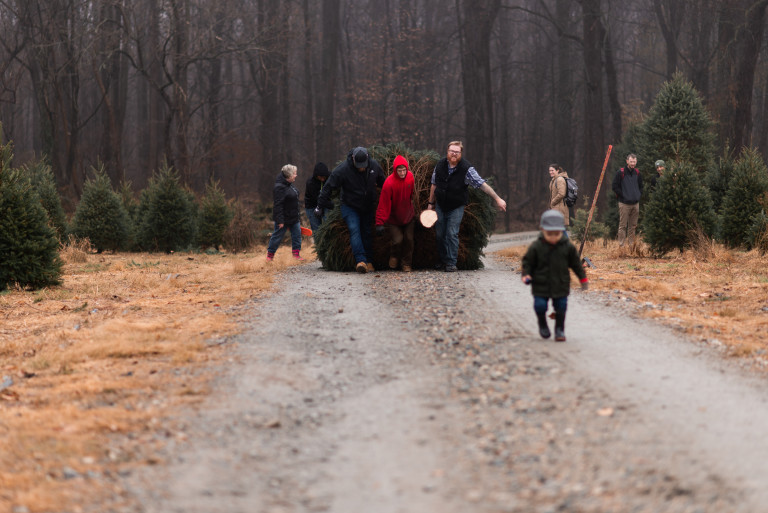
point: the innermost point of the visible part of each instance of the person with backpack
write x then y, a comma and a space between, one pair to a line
628, 187
558, 189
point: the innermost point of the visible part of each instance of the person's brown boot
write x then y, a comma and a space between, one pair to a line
393, 262
406, 268
361, 268
369, 267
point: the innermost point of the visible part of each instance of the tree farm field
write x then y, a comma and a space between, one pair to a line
712, 294
90, 368
93, 369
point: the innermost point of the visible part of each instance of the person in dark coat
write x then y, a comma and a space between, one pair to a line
628, 187
285, 212
660, 166
545, 268
448, 195
358, 178
312, 192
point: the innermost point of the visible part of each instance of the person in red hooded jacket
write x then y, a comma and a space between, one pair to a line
396, 213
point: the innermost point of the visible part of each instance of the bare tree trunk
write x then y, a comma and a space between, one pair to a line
112, 80
670, 14
180, 31
740, 35
325, 105
477, 18
309, 84
565, 89
594, 136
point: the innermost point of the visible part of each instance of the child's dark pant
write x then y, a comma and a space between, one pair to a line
560, 304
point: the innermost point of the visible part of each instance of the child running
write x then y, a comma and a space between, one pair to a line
545, 267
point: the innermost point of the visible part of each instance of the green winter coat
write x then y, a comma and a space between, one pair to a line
548, 265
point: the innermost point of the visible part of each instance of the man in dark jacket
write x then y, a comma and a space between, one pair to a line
312, 192
358, 178
448, 196
628, 187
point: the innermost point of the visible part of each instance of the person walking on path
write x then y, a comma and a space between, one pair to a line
312, 191
557, 191
285, 212
397, 214
628, 187
357, 178
545, 268
448, 196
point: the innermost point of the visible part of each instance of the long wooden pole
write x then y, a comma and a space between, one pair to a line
594, 199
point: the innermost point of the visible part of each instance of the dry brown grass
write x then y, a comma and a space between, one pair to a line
98, 361
713, 293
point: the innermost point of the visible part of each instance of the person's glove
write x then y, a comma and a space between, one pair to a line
379, 229
318, 212
584, 285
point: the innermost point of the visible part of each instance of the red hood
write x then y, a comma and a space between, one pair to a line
400, 161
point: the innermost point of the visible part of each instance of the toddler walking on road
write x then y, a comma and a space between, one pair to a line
545, 268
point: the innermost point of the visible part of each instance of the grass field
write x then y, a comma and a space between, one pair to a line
103, 357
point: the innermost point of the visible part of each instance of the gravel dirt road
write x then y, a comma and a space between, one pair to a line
432, 392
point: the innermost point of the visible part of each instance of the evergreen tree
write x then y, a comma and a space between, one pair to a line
41, 176
29, 253
578, 226
742, 199
718, 178
243, 230
167, 217
757, 235
679, 207
131, 206
215, 216
678, 128
100, 216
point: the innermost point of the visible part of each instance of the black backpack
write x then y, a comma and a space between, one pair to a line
571, 191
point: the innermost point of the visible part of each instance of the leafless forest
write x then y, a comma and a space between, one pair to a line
233, 89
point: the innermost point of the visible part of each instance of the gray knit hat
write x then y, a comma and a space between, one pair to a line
552, 221
659, 163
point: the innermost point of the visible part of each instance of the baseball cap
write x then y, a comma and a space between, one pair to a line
360, 156
552, 221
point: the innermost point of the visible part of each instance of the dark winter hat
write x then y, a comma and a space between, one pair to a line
321, 170
552, 221
360, 156
659, 163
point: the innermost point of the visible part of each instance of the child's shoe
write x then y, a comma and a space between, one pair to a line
270, 256
296, 254
559, 326
543, 328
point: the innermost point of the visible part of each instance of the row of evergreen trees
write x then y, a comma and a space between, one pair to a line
166, 217
724, 198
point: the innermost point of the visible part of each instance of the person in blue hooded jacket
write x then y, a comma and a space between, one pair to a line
358, 178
